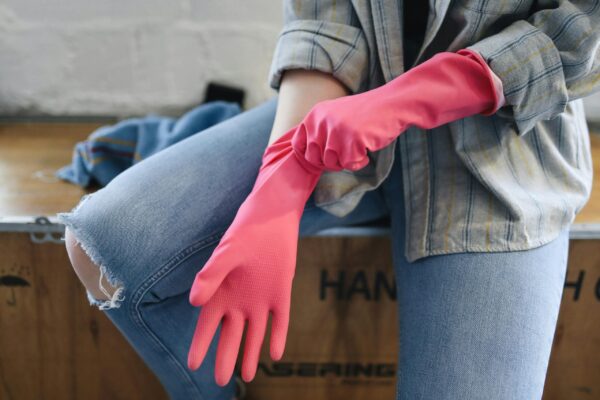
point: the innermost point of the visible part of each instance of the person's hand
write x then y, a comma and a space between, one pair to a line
336, 134
249, 274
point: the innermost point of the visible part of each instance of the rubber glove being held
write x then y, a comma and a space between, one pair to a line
249, 274
336, 134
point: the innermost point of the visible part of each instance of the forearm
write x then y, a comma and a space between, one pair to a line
338, 134
300, 90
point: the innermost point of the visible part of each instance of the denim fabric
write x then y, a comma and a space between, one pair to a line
109, 150
472, 325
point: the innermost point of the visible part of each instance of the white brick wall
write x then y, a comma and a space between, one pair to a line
67, 57
114, 57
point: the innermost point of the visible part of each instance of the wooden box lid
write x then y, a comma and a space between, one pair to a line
31, 152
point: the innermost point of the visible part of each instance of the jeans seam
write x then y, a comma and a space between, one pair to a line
400, 346
134, 306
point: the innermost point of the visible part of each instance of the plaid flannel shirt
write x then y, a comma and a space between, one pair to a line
505, 182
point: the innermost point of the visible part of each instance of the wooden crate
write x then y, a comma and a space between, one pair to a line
342, 340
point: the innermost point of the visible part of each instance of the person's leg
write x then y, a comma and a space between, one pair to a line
152, 228
474, 325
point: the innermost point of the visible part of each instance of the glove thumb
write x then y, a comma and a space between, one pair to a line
210, 277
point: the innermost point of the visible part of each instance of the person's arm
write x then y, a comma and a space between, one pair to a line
300, 90
322, 52
338, 134
542, 63
249, 274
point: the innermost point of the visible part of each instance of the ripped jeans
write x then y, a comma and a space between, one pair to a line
472, 325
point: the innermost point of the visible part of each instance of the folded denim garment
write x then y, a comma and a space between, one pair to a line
110, 150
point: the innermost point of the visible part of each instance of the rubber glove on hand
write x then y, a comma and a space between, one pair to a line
336, 134
249, 274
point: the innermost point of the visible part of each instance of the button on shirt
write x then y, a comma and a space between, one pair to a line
505, 182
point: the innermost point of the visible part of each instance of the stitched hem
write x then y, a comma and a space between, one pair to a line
413, 256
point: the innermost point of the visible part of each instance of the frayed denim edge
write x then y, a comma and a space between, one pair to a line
83, 240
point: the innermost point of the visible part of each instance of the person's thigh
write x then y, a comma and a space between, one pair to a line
184, 194
479, 325
152, 228
475, 325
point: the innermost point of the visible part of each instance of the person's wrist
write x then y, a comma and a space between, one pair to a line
300, 90
288, 170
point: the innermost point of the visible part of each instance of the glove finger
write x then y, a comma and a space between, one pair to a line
331, 160
223, 260
357, 156
313, 154
254, 339
227, 350
299, 139
207, 324
356, 165
279, 327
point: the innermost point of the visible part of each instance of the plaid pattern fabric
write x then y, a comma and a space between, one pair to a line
510, 181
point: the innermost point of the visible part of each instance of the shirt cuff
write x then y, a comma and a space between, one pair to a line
529, 66
337, 49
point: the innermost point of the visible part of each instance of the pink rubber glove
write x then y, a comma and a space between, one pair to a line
249, 274
336, 134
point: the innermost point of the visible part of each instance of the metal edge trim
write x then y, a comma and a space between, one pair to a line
28, 224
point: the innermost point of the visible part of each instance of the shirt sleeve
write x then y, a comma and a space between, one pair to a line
322, 35
546, 61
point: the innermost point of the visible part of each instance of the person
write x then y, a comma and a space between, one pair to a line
461, 122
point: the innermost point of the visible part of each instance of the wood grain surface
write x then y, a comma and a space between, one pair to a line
53, 345
29, 155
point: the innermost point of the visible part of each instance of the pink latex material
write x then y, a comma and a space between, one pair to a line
337, 133
249, 274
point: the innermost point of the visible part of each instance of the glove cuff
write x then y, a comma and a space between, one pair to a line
496, 90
